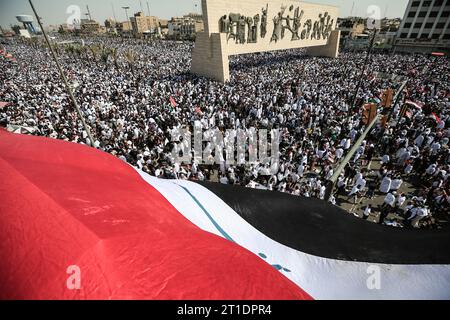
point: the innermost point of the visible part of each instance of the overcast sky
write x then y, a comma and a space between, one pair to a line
54, 11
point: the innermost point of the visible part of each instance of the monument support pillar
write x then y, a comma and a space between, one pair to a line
235, 27
210, 57
330, 50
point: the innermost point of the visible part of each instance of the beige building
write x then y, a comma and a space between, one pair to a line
185, 27
89, 26
425, 27
234, 27
141, 23
351, 27
124, 26
64, 28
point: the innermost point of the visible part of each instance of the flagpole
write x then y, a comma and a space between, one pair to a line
369, 51
397, 99
63, 77
332, 182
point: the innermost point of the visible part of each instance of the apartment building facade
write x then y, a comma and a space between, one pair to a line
425, 27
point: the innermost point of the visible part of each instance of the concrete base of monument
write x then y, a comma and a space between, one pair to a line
210, 56
331, 50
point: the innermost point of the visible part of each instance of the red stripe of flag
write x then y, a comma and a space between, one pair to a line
64, 204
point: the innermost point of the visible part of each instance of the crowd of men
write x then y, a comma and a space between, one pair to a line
132, 107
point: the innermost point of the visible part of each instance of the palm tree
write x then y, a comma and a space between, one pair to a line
70, 50
115, 56
56, 48
105, 55
131, 58
78, 51
95, 51
85, 53
34, 42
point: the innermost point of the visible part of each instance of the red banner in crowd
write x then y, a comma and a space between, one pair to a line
438, 120
172, 102
417, 105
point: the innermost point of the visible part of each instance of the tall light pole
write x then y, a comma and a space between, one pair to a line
114, 13
64, 79
88, 12
361, 78
126, 13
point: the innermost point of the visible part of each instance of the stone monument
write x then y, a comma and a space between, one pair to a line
234, 27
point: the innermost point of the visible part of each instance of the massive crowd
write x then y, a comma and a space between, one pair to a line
133, 102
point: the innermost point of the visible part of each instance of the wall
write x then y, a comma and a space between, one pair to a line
249, 8
213, 47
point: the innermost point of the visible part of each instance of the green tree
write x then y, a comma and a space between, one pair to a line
131, 58
115, 56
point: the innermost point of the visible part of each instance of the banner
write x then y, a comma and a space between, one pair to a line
387, 98
172, 102
369, 113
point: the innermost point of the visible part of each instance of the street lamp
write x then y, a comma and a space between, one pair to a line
126, 13
364, 66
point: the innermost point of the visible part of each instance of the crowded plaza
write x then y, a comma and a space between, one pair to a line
134, 93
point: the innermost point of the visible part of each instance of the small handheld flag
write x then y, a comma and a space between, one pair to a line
172, 102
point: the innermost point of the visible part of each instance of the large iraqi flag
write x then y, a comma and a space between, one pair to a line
132, 236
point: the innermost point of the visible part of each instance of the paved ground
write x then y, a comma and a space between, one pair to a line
409, 188
358, 208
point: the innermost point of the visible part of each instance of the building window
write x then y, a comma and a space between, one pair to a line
407, 25
424, 36
415, 4
426, 3
422, 14
418, 25
445, 14
404, 35
435, 36
447, 36
414, 35
433, 14
440, 25
412, 14
429, 25
438, 3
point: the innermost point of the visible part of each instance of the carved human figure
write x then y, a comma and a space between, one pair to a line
253, 29
224, 24
328, 27
315, 31
249, 22
241, 30
306, 29
233, 26
277, 27
323, 24
297, 24
286, 26
264, 21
